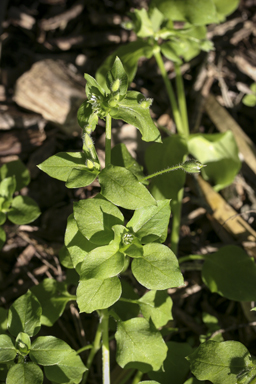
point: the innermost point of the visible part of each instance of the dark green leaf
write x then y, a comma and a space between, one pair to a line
16, 168
7, 349
24, 315
132, 110
124, 309
53, 297
2, 218
95, 219
23, 210
139, 346
28, 373
3, 319
7, 187
121, 187
94, 294
93, 87
2, 237
231, 273
157, 306
65, 258
175, 364
158, 268
86, 118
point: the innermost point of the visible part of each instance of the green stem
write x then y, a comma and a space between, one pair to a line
105, 348
191, 257
182, 100
137, 377
108, 141
94, 350
168, 85
176, 216
161, 172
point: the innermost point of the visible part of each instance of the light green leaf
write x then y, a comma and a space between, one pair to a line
120, 156
139, 346
102, 263
219, 362
77, 244
60, 165
48, 350
23, 344
53, 297
69, 367
131, 110
23, 210
7, 349
28, 373
142, 23
129, 54
3, 319
157, 306
193, 380
151, 223
220, 153
97, 294
169, 52
16, 168
95, 219
93, 87
225, 8
65, 258
249, 100
162, 156
2, 237
158, 268
2, 215
121, 187
197, 12
7, 187
231, 273
175, 364
24, 315
81, 177
117, 77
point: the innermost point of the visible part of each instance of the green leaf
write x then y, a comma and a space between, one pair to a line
81, 177
65, 258
69, 367
249, 100
120, 156
28, 373
162, 156
95, 219
193, 380
219, 362
132, 110
197, 12
93, 87
53, 297
139, 346
212, 325
7, 349
24, 315
151, 223
129, 54
149, 382
169, 52
102, 263
117, 77
2, 237
220, 153
121, 187
175, 364
4, 368
23, 343
225, 8
16, 168
7, 187
77, 244
2, 217
86, 118
157, 306
94, 294
231, 273
3, 320
48, 350
158, 268
23, 210
142, 23
60, 166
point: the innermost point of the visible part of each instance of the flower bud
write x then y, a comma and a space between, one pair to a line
116, 85
127, 238
192, 166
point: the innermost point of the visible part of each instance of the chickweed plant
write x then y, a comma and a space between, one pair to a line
111, 255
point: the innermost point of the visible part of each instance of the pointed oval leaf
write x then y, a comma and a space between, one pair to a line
231, 273
158, 268
219, 362
16, 168
28, 373
132, 111
81, 177
175, 364
7, 349
117, 73
49, 350
122, 188
139, 346
24, 315
94, 294
157, 306
23, 210
8, 187
95, 219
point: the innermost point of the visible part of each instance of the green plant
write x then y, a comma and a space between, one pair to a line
250, 98
18, 209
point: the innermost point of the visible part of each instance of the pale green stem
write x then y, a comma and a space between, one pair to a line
108, 141
95, 347
191, 257
161, 172
169, 88
176, 216
182, 100
105, 348
137, 377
